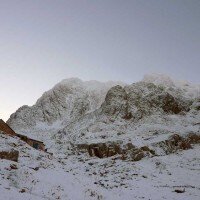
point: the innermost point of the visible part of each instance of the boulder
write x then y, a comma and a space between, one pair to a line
173, 144
193, 138
10, 155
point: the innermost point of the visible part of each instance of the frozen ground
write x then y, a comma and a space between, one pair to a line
82, 177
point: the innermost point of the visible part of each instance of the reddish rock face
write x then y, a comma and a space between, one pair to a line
5, 128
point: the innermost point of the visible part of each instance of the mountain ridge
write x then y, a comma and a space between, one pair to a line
109, 141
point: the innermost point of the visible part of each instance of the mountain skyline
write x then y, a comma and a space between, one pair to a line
155, 78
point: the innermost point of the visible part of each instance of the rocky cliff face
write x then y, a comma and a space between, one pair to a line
67, 101
115, 103
141, 99
127, 106
76, 111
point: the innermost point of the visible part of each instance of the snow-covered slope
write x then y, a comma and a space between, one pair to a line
38, 175
155, 122
80, 177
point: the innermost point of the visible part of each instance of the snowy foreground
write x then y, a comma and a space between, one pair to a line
93, 178
140, 119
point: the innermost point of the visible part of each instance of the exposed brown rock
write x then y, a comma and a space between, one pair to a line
83, 147
131, 152
9, 155
176, 142
100, 150
171, 105
5, 128
147, 149
193, 138
22, 190
138, 155
104, 150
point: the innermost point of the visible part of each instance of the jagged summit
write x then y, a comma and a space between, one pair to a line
67, 100
73, 98
163, 79
189, 89
159, 79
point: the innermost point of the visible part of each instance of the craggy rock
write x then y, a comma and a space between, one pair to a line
138, 156
139, 100
100, 150
103, 150
5, 129
83, 147
133, 153
177, 142
116, 103
196, 104
66, 101
146, 98
126, 152
171, 105
193, 138
173, 144
10, 155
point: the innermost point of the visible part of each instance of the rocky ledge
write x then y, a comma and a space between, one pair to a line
133, 153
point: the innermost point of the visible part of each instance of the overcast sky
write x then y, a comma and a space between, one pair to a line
45, 41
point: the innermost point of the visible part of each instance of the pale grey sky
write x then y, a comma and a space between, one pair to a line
45, 41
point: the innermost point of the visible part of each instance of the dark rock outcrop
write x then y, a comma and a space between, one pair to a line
141, 99
116, 103
193, 138
177, 142
196, 104
125, 152
10, 155
147, 98
133, 153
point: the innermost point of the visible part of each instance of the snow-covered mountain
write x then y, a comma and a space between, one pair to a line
67, 101
97, 132
72, 99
